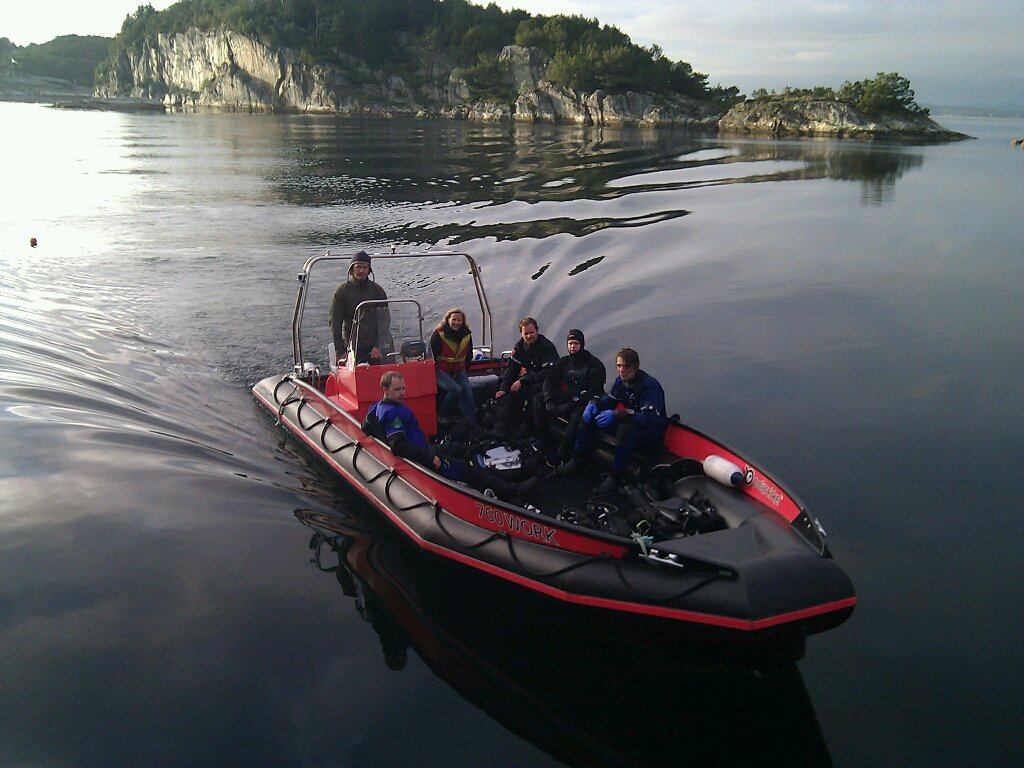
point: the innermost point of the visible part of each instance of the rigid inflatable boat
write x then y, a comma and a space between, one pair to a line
701, 535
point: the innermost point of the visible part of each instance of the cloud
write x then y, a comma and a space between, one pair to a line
813, 56
946, 48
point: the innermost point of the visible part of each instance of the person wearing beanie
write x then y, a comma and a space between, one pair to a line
575, 380
374, 325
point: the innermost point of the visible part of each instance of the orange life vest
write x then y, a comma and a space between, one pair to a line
452, 358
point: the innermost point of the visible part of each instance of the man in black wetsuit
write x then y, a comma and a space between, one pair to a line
575, 380
531, 361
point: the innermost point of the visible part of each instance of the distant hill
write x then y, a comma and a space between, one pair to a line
974, 111
72, 58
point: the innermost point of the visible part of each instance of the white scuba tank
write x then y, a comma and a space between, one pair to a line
723, 470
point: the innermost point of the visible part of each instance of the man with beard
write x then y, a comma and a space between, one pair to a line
633, 412
374, 322
575, 380
531, 361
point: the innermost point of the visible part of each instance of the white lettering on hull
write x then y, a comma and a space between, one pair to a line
517, 524
769, 492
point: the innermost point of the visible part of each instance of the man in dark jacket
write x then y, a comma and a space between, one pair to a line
633, 412
574, 381
531, 361
401, 430
374, 325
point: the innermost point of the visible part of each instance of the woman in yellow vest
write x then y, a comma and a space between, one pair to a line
452, 347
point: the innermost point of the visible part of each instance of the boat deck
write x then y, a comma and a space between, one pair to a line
658, 487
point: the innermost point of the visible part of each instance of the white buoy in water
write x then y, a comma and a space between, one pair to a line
722, 470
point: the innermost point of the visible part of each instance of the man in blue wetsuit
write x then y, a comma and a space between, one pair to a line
633, 412
401, 429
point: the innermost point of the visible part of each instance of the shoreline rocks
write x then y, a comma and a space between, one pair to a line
112, 105
226, 70
775, 116
32, 89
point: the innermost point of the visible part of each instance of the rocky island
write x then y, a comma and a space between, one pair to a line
827, 117
457, 60
227, 70
848, 113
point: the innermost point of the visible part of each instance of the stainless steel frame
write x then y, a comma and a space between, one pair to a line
487, 329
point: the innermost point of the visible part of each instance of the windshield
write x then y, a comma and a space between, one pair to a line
388, 331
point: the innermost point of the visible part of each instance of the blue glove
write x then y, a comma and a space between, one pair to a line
589, 412
605, 418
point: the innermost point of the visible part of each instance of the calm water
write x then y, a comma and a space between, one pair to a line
849, 314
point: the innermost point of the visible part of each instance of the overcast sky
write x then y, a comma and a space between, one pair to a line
955, 52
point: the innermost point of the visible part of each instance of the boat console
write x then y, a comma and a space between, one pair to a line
356, 389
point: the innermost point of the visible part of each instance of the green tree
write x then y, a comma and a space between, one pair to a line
68, 57
488, 78
888, 91
7, 58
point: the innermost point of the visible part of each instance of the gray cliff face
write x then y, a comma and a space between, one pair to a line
547, 103
826, 117
227, 70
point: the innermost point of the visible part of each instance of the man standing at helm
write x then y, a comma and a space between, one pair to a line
374, 322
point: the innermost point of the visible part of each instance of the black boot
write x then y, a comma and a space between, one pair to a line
521, 489
573, 465
609, 484
506, 491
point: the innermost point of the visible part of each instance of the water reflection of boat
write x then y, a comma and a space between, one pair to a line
734, 551
590, 690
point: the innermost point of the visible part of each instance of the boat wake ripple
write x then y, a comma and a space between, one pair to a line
88, 392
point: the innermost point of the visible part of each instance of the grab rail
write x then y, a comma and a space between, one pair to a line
487, 323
